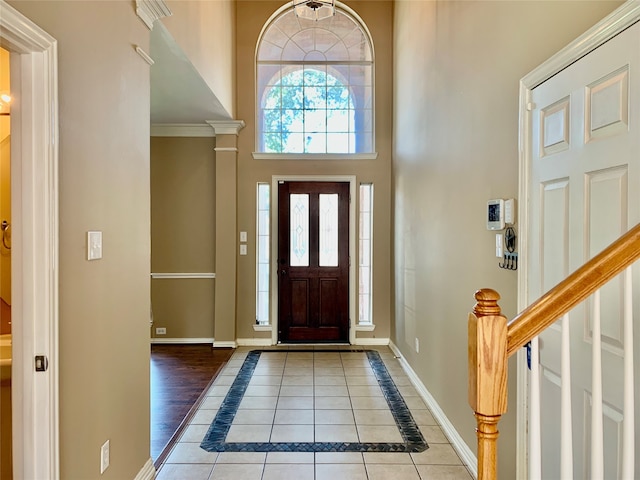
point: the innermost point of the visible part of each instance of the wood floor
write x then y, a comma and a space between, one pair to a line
179, 376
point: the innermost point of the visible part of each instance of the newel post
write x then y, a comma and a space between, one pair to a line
487, 376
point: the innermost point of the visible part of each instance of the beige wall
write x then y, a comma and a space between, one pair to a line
103, 92
183, 234
205, 30
457, 68
252, 16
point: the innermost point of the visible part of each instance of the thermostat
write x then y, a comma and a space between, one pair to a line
495, 214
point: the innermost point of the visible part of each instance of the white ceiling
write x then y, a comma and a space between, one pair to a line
179, 95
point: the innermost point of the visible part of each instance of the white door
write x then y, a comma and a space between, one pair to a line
584, 188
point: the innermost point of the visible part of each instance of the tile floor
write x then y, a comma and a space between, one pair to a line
312, 396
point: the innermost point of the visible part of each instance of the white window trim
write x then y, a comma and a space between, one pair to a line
370, 325
262, 327
314, 156
365, 327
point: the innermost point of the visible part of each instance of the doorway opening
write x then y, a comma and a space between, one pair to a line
6, 452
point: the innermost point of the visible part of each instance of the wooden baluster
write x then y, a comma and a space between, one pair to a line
487, 376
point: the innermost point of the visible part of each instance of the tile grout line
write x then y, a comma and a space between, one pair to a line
219, 428
362, 459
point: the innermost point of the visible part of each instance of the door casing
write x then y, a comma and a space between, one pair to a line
34, 198
626, 15
351, 179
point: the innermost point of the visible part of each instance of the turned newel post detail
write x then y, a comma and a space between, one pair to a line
487, 376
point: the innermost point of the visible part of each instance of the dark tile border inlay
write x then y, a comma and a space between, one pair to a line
214, 440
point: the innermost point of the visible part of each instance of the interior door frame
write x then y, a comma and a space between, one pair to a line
34, 198
351, 179
620, 19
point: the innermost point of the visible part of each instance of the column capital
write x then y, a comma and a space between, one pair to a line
226, 127
151, 10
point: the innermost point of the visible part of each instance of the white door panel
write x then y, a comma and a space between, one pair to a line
584, 183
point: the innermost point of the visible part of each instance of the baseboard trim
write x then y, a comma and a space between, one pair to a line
148, 471
254, 342
183, 340
372, 341
460, 446
224, 344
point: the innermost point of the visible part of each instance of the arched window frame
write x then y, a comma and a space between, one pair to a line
370, 153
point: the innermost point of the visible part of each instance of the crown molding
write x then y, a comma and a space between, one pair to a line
610, 26
151, 10
21, 35
181, 130
226, 127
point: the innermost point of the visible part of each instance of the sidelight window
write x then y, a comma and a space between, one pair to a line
365, 236
262, 254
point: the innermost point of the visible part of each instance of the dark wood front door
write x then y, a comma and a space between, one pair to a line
313, 261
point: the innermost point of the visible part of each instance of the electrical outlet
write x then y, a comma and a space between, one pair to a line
161, 331
417, 345
104, 457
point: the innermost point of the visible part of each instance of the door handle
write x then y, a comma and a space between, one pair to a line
283, 272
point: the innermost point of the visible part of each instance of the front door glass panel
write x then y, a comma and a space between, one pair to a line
328, 230
299, 230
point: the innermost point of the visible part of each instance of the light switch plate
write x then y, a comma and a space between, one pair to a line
94, 245
104, 457
243, 249
243, 236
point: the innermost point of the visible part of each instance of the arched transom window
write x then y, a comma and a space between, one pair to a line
315, 86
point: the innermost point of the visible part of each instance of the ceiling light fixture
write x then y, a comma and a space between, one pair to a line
314, 9
5, 103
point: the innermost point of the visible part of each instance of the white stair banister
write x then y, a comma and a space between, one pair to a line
566, 429
535, 444
597, 432
628, 434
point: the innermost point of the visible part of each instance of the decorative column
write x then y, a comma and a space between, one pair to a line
226, 255
487, 376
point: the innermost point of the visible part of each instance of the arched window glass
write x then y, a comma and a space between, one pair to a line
315, 86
